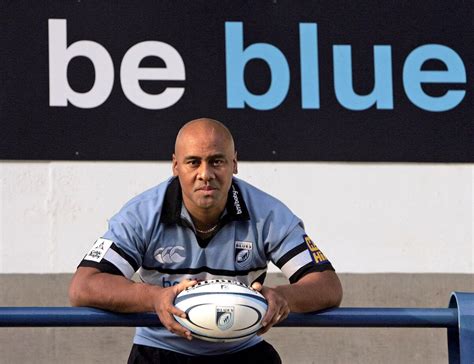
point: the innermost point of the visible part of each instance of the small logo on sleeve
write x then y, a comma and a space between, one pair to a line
314, 251
100, 247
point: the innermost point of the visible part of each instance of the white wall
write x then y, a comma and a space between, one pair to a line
366, 217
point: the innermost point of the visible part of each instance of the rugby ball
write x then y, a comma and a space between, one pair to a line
221, 310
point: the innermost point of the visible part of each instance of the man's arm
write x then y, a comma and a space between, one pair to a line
91, 287
314, 291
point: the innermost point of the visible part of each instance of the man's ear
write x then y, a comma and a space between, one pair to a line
175, 165
234, 161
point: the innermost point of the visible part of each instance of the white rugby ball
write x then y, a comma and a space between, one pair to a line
221, 310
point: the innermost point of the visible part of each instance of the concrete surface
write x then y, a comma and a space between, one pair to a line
296, 345
365, 217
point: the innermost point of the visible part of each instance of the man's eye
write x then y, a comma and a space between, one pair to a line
217, 162
193, 163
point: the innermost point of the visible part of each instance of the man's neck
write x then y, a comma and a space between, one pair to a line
204, 218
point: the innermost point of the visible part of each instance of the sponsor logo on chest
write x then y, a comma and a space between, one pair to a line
170, 254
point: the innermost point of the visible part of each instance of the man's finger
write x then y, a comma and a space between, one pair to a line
177, 312
271, 312
264, 329
177, 329
257, 286
185, 283
173, 326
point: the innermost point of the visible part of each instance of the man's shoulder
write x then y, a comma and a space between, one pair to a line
256, 198
266, 210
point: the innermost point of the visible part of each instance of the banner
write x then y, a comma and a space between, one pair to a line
293, 80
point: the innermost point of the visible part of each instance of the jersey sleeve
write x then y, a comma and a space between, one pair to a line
294, 253
121, 249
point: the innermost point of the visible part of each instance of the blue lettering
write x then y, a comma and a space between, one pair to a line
413, 77
382, 93
166, 284
309, 66
236, 59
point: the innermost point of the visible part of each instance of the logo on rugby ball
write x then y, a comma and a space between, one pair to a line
224, 317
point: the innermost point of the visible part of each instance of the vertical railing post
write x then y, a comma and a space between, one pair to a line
461, 339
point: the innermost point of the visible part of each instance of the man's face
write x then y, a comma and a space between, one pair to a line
204, 161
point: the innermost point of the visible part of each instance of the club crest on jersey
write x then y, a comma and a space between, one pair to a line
243, 251
316, 254
224, 317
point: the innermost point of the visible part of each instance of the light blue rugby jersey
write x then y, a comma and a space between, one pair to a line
154, 234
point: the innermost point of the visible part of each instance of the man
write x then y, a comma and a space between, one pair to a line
202, 224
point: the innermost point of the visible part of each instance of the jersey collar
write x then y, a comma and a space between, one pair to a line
236, 209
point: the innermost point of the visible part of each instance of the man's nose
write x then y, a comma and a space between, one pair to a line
205, 171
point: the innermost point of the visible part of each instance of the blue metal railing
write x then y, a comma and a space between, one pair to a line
338, 317
458, 319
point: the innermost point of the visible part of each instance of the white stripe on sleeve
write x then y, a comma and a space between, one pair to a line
113, 257
295, 263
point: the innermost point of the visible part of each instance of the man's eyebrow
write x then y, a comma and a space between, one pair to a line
195, 157
218, 155
189, 157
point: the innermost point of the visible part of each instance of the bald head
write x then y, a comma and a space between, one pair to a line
204, 161
204, 127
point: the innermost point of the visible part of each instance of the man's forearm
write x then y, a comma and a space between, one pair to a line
313, 292
111, 292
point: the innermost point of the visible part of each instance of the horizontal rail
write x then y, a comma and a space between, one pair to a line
337, 317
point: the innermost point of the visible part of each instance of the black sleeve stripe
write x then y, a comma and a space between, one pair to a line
288, 256
261, 278
204, 269
104, 266
125, 256
310, 268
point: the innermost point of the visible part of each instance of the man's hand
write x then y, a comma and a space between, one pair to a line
278, 308
164, 308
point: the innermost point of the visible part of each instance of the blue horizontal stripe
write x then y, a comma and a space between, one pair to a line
204, 269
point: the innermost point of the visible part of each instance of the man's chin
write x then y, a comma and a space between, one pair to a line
210, 202
206, 203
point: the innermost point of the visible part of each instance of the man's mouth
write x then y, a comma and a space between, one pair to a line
207, 188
